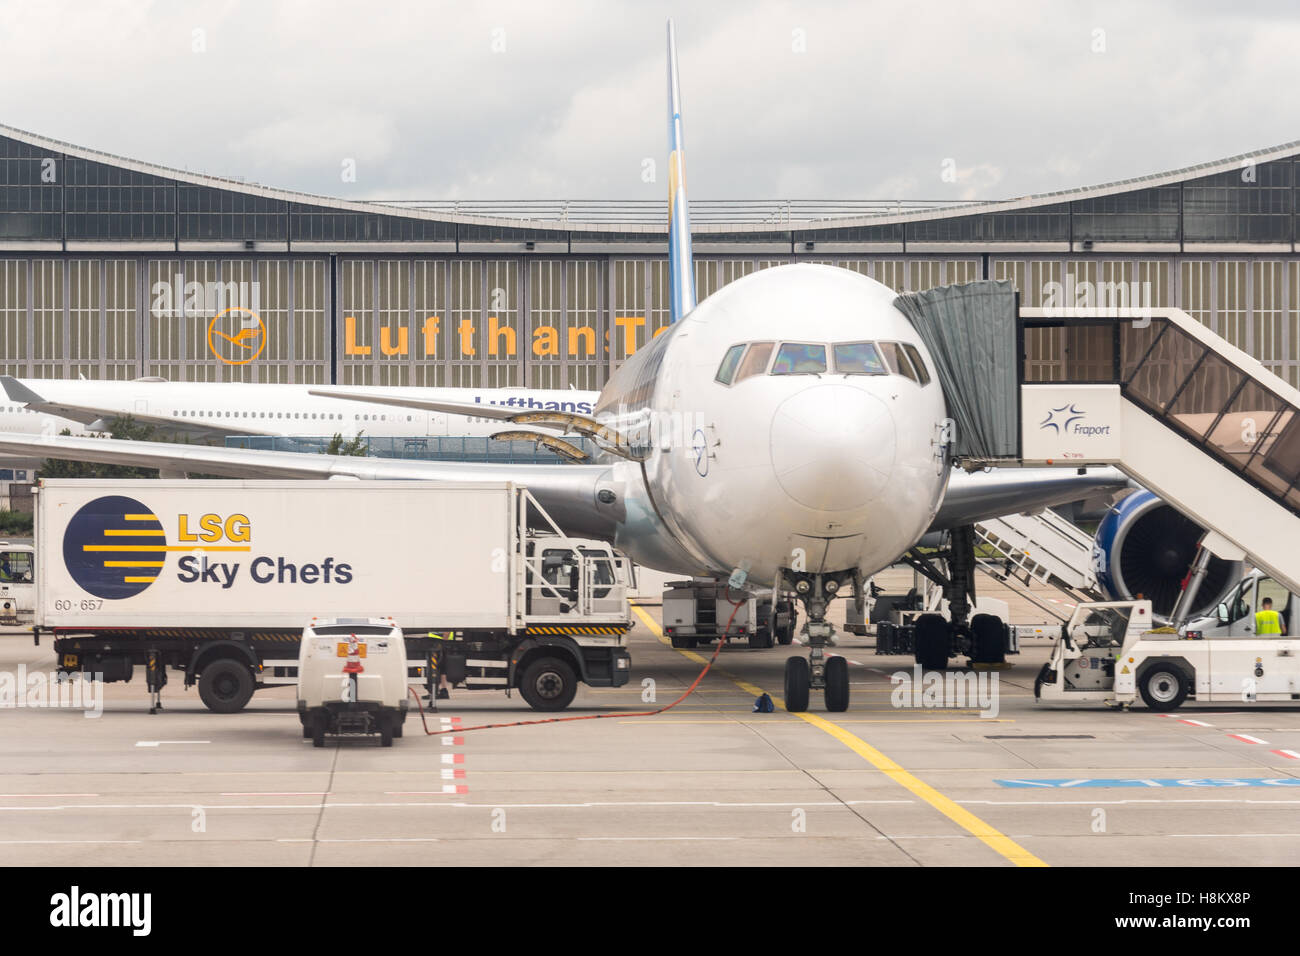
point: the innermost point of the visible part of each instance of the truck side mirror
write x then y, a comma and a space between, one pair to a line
1223, 614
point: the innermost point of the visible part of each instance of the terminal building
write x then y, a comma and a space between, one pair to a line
116, 268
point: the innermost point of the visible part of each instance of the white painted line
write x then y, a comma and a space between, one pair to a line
155, 743
25, 796
448, 788
60, 842
275, 793
1291, 754
360, 840
690, 839
1194, 723
1247, 738
453, 758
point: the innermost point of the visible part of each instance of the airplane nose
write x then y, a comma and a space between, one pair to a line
833, 447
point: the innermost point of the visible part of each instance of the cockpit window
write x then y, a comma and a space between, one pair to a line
798, 358
896, 360
755, 362
915, 355
727, 370
858, 358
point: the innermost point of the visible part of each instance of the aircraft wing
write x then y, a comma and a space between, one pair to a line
980, 495
567, 491
88, 414
503, 413
608, 438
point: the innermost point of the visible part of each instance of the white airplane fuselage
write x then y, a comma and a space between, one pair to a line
268, 409
825, 472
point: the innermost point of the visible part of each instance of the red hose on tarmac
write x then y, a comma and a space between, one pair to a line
735, 606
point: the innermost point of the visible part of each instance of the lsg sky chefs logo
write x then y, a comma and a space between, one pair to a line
224, 312
115, 547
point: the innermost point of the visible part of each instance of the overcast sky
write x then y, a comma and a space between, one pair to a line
544, 99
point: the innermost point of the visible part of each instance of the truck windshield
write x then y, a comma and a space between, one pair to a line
1102, 627
602, 571
358, 629
560, 569
16, 566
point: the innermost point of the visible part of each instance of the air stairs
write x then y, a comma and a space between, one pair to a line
1044, 547
1180, 410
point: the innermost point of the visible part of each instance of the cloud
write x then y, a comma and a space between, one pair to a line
515, 99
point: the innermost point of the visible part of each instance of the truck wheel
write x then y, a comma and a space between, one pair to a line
548, 684
798, 678
932, 638
1163, 687
784, 635
386, 734
397, 724
225, 686
989, 642
761, 639
837, 685
1045, 676
317, 724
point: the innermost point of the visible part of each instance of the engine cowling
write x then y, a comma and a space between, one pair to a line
1144, 546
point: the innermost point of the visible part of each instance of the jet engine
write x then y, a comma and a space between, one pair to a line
1145, 547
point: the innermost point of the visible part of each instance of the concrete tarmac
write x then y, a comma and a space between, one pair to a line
705, 783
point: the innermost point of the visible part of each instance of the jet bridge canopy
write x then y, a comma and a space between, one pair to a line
972, 336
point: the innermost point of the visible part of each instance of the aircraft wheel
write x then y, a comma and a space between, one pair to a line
837, 685
798, 679
932, 640
989, 639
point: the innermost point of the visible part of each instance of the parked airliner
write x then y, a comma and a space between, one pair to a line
787, 431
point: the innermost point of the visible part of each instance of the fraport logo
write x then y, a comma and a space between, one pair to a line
1065, 421
114, 547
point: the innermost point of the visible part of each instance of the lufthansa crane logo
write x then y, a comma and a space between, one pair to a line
114, 547
1060, 419
236, 336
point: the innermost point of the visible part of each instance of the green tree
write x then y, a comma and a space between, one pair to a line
125, 428
353, 446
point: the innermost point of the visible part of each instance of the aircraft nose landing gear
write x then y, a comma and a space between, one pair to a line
817, 671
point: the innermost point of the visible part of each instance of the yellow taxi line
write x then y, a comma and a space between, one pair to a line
990, 836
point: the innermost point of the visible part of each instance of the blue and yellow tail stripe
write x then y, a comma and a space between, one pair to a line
681, 264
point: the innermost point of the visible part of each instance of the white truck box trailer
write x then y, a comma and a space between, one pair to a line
178, 573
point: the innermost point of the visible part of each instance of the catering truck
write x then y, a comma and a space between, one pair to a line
218, 579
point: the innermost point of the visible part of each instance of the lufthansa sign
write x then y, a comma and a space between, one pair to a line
1070, 424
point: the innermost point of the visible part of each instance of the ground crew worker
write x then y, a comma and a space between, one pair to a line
444, 688
1267, 620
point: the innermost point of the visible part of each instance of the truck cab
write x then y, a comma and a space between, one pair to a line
571, 578
17, 583
1235, 614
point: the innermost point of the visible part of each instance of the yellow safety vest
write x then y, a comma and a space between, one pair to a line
1268, 622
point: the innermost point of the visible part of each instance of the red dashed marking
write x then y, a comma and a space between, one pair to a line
1289, 754
1248, 739
453, 741
449, 774
1194, 723
453, 758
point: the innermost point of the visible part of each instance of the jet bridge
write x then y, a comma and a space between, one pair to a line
1177, 408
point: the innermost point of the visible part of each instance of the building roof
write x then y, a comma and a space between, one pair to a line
1051, 218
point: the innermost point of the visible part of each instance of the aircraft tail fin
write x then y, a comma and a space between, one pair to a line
681, 264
